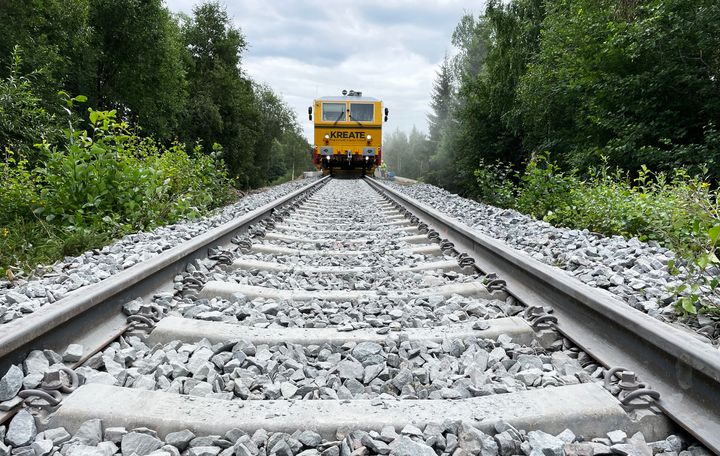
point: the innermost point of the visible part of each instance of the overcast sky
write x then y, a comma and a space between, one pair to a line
388, 49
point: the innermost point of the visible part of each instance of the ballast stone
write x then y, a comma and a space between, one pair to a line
635, 272
36, 363
91, 267
310, 438
474, 441
22, 429
11, 383
633, 446
56, 435
363, 350
180, 439
115, 434
42, 447
405, 446
544, 444
85, 450
138, 443
204, 451
350, 369
73, 353
13, 297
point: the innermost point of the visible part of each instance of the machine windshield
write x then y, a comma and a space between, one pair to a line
362, 112
333, 112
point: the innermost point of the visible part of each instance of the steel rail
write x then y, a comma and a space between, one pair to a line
684, 370
89, 308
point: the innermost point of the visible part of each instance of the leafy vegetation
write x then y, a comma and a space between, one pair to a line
407, 155
103, 182
679, 211
164, 123
23, 120
676, 210
630, 83
625, 95
625, 83
173, 78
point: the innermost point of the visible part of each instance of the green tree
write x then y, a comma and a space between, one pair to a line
55, 38
275, 119
395, 147
418, 154
138, 64
638, 82
441, 100
24, 121
221, 105
482, 124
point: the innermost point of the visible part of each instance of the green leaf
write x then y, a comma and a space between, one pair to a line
80, 98
714, 233
713, 258
688, 305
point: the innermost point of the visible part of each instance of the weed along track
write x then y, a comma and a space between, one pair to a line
347, 319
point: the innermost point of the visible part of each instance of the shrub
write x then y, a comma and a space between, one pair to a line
116, 179
18, 188
544, 189
494, 184
100, 184
23, 119
679, 211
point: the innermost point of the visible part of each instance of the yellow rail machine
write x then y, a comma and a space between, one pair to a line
348, 133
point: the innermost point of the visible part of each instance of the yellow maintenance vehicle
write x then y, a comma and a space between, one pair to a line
348, 133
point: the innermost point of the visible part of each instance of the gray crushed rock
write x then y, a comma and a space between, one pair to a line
49, 284
439, 438
139, 443
11, 383
22, 429
633, 271
393, 370
397, 368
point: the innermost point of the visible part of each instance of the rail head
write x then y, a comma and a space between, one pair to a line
27, 333
684, 370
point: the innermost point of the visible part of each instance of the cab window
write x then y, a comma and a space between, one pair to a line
333, 112
362, 112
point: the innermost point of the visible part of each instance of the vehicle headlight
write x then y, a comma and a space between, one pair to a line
369, 137
327, 136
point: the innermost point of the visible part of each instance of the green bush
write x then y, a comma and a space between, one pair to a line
494, 184
544, 189
19, 191
115, 179
23, 119
98, 185
679, 211
651, 206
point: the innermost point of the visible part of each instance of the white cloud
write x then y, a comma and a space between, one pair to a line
388, 49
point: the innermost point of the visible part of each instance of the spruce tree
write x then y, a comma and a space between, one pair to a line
441, 101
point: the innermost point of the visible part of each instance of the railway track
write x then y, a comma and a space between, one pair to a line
347, 319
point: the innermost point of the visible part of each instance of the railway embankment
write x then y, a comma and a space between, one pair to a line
341, 320
635, 272
24, 296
